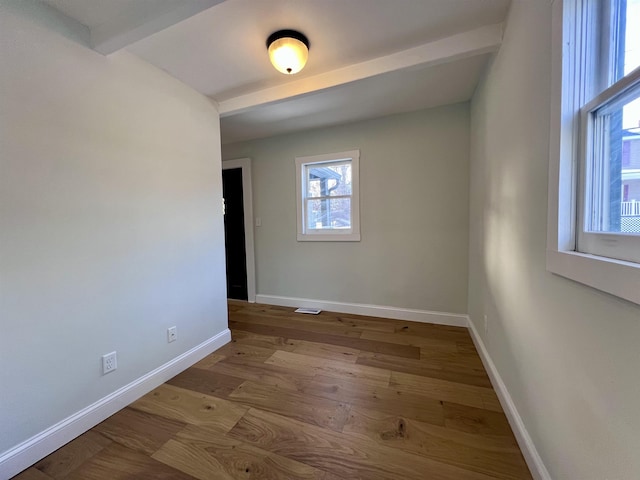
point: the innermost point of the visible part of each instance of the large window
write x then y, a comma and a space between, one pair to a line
327, 187
594, 169
610, 134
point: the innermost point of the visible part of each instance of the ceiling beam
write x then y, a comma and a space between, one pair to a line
142, 21
473, 42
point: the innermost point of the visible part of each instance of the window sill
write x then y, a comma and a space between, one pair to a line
615, 277
328, 237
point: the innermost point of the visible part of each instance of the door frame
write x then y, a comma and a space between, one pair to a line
247, 200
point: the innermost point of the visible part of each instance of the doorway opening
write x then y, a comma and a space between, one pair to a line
238, 227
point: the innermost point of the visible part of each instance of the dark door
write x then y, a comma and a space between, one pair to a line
234, 233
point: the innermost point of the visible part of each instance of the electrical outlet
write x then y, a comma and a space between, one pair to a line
486, 325
172, 334
109, 363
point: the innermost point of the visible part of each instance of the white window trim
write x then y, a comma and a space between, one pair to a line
616, 277
353, 234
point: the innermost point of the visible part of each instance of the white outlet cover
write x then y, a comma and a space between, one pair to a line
172, 334
109, 363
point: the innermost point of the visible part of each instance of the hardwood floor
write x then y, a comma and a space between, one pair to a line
323, 397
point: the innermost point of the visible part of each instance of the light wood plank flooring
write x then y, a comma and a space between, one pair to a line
323, 397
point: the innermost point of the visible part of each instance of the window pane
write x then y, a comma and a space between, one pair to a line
329, 179
330, 213
614, 190
624, 46
632, 36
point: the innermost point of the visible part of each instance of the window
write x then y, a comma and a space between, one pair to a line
593, 236
327, 191
610, 124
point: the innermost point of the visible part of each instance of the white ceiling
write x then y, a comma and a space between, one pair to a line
367, 57
386, 94
95, 14
223, 49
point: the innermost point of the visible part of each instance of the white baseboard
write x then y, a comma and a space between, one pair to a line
529, 451
37, 447
423, 316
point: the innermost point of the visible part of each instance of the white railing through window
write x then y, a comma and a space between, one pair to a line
630, 209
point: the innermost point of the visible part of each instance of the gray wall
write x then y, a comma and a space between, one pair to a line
110, 222
413, 206
568, 354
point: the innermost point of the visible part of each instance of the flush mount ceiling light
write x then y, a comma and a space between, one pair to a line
288, 51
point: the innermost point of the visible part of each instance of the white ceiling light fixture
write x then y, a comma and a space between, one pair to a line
288, 51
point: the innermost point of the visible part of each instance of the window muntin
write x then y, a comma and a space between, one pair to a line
610, 220
327, 189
